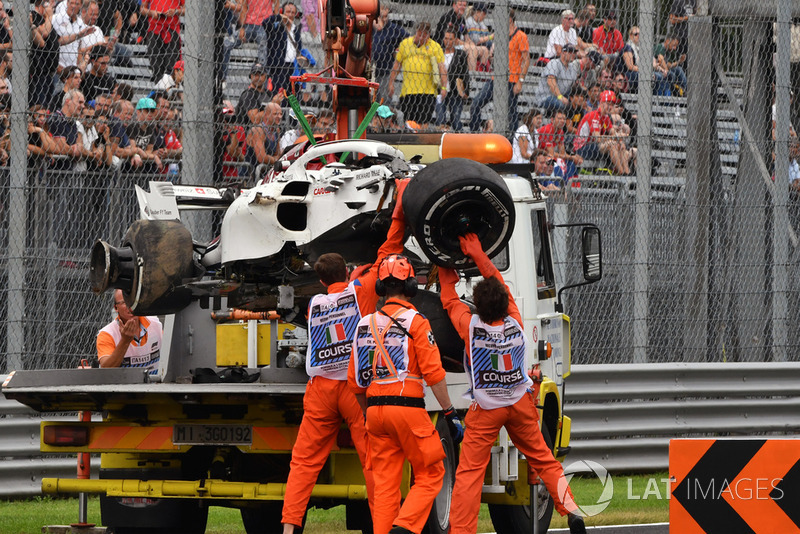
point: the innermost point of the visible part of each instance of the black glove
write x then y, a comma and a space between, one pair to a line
454, 424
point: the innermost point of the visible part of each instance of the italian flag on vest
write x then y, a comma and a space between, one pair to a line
335, 333
501, 362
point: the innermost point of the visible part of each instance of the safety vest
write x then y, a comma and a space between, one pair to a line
382, 348
145, 349
332, 321
498, 362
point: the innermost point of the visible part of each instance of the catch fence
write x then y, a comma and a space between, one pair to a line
699, 221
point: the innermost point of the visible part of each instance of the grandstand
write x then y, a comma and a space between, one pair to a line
536, 19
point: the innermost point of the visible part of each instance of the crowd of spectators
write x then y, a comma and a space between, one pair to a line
574, 96
585, 68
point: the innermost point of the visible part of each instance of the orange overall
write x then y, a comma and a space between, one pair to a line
397, 433
483, 425
329, 402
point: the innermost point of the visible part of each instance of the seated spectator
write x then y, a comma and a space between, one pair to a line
543, 171
252, 98
383, 121
597, 137
113, 19
575, 111
593, 97
478, 32
592, 68
455, 61
671, 62
123, 148
44, 54
40, 143
168, 128
563, 34
145, 134
6, 33
63, 127
6, 66
794, 165
630, 66
70, 29
100, 151
454, 18
102, 104
234, 139
620, 83
552, 138
583, 24
172, 83
608, 39
123, 91
94, 40
263, 137
71, 77
526, 137
98, 81
557, 78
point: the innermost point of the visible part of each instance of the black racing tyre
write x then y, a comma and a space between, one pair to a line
155, 260
265, 518
455, 196
451, 346
153, 516
358, 516
439, 518
516, 519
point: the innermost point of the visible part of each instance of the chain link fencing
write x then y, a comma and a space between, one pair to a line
692, 180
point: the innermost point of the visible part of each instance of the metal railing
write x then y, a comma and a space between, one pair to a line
623, 416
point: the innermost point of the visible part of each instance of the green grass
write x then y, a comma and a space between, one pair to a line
29, 515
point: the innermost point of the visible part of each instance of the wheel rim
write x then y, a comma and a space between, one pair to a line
542, 499
445, 496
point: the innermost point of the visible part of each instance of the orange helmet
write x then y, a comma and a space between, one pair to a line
395, 266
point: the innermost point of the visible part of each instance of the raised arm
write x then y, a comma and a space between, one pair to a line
471, 246
458, 312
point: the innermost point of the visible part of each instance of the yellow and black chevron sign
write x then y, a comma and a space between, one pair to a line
734, 486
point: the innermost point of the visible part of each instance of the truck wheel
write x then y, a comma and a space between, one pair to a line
158, 516
452, 197
155, 260
439, 518
265, 518
516, 519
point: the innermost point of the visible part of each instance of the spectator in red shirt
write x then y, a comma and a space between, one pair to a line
597, 136
608, 38
551, 140
163, 39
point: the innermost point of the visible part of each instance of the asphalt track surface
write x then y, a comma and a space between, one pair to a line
653, 528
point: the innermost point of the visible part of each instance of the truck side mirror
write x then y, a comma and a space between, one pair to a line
591, 253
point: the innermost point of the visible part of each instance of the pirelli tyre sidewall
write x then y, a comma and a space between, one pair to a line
452, 197
163, 256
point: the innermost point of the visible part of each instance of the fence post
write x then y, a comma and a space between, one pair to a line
641, 275
17, 206
198, 105
780, 237
501, 74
